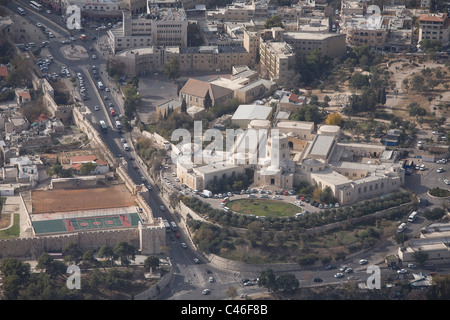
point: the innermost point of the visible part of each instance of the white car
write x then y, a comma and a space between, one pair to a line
363, 261
440, 170
94, 56
96, 108
206, 291
107, 89
446, 181
162, 208
402, 271
184, 245
338, 275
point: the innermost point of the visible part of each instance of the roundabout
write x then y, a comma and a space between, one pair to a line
74, 52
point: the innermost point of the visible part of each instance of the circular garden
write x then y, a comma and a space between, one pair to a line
264, 208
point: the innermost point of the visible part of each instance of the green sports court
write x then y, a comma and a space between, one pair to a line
77, 224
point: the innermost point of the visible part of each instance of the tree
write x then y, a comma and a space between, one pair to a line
267, 280
417, 83
87, 168
72, 253
287, 282
12, 266
420, 257
108, 253
334, 119
359, 80
125, 252
151, 262
183, 106
207, 102
132, 100
172, 69
272, 22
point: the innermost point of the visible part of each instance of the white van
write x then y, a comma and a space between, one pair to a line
126, 147
401, 228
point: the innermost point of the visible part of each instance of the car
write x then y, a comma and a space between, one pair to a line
107, 89
183, 245
348, 270
338, 275
65, 41
142, 178
196, 261
206, 291
149, 187
363, 261
162, 208
51, 35
49, 11
243, 295
249, 283
211, 279
317, 280
119, 155
436, 132
134, 166
343, 268
94, 56
402, 271
446, 181
440, 170
105, 98
412, 266
96, 108
329, 267
123, 140
72, 38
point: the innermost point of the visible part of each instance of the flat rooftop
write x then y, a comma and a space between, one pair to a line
322, 146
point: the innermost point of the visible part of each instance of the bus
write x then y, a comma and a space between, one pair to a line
103, 126
21, 11
412, 216
36, 6
173, 225
166, 225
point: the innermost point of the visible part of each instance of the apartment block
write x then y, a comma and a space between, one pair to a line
329, 44
277, 59
164, 24
434, 26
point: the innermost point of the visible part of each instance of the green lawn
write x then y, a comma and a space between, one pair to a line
14, 231
266, 208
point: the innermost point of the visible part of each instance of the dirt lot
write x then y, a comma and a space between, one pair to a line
81, 199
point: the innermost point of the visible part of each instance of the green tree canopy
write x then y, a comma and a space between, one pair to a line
87, 167
272, 22
172, 69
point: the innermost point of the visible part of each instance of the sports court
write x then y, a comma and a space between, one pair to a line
76, 224
78, 210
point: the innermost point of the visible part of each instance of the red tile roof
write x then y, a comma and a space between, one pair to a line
427, 17
3, 71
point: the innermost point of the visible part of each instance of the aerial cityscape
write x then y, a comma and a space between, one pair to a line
225, 150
